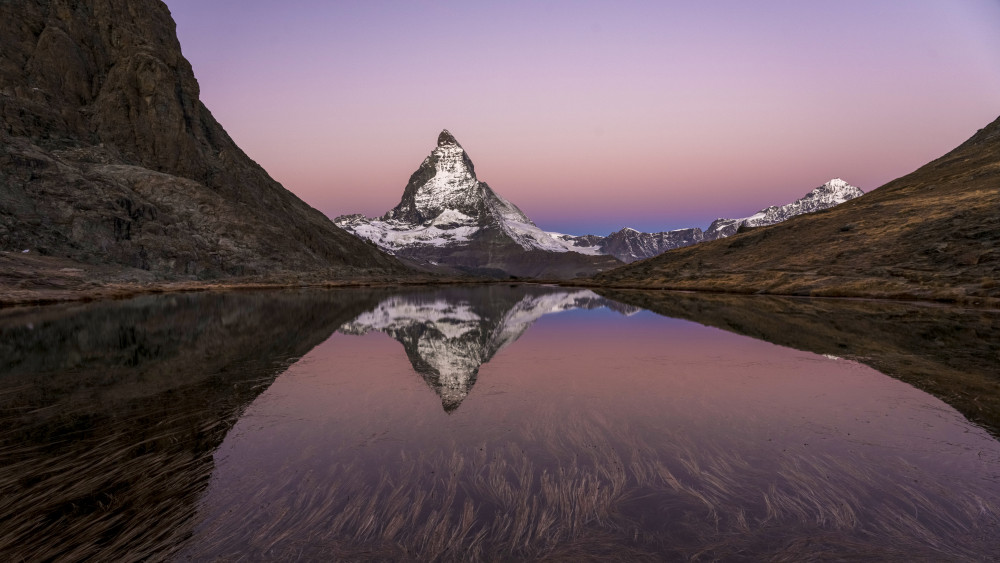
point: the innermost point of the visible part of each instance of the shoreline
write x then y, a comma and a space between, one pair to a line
35, 280
90, 290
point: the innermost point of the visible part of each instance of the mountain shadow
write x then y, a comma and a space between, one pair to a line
449, 333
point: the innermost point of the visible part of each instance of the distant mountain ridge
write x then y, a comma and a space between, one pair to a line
832, 193
630, 245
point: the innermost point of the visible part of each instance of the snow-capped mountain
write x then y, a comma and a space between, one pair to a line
448, 335
832, 193
447, 216
629, 245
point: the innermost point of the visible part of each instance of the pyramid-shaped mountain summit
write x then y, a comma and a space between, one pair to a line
447, 217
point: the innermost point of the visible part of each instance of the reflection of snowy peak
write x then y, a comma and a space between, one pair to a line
395, 313
447, 216
448, 336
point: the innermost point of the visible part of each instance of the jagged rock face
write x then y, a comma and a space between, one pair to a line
445, 181
107, 154
449, 334
722, 228
629, 245
448, 217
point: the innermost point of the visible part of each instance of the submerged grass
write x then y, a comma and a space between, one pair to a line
586, 488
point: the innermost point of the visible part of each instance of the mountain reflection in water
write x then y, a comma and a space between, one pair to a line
449, 334
283, 425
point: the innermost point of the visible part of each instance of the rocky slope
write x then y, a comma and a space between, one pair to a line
932, 234
448, 334
630, 245
448, 217
107, 156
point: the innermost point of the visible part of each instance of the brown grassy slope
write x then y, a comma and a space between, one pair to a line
932, 234
949, 352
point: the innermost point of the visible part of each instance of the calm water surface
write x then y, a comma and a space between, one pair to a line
467, 424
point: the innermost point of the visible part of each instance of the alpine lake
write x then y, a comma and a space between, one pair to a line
498, 423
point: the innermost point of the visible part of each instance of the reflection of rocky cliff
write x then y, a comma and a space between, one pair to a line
110, 412
448, 334
949, 352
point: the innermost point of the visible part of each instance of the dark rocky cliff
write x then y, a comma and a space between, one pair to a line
108, 156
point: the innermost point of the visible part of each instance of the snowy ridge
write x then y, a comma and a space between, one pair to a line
629, 245
832, 193
525, 233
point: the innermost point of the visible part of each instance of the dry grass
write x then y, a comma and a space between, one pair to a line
31, 279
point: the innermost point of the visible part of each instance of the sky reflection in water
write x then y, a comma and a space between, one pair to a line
589, 432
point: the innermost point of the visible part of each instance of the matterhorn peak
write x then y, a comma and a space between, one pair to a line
446, 138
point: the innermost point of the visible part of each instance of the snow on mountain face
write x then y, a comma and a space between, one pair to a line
445, 182
629, 245
834, 192
444, 204
448, 339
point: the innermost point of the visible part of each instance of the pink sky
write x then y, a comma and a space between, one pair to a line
592, 116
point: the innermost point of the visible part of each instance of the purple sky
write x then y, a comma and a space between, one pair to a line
592, 116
